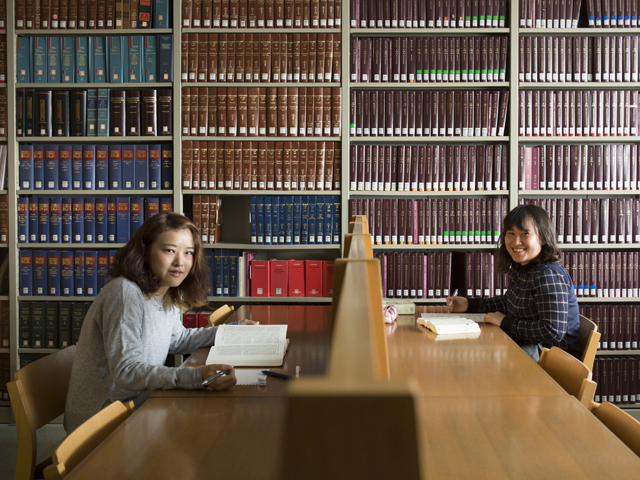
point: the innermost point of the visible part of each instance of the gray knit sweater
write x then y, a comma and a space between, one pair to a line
123, 345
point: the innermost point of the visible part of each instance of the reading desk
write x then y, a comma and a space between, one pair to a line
486, 411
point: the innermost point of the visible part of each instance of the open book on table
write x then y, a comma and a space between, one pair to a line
250, 345
449, 325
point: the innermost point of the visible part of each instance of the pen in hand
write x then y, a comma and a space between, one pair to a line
455, 294
210, 380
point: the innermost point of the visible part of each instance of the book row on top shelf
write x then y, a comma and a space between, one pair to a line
578, 13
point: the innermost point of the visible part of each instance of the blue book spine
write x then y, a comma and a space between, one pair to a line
112, 206
115, 167
102, 167
90, 273
55, 220
51, 168
26, 273
166, 204
141, 173
281, 220
103, 112
43, 220
103, 269
67, 220
260, 220
115, 59
225, 272
137, 214
77, 226
288, 220
91, 59
53, 59
40, 64
68, 62
320, 219
150, 58
297, 219
123, 219
254, 234
311, 219
66, 273
82, 60
161, 14
125, 59
38, 167
78, 273
155, 168
33, 220
208, 255
336, 219
76, 166
167, 167
267, 220
304, 236
89, 167
328, 219
233, 273
152, 207
23, 220
64, 167
40, 273
165, 58
23, 47
25, 175
101, 220
89, 220
128, 167
136, 58
218, 268
92, 112
100, 67
53, 273
275, 219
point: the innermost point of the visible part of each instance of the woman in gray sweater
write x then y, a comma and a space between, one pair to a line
135, 322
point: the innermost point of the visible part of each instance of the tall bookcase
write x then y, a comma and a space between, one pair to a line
236, 203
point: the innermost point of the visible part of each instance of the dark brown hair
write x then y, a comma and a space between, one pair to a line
519, 217
132, 262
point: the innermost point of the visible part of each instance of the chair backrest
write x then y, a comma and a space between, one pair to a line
81, 442
38, 395
623, 425
589, 338
572, 375
220, 315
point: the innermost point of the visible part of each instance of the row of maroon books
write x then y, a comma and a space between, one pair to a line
578, 167
546, 14
415, 274
3, 59
432, 221
261, 57
263, 112
207, 216
578, 113
609, 13
4, 324
618, 325
429, 59
424, 168
472, 113
617, 379
428, 14
579, 59
261, 13
217, 165
593, 220
5, 376
476, 275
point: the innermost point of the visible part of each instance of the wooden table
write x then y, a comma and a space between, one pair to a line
486, 410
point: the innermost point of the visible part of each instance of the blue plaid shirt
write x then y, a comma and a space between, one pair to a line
540, 306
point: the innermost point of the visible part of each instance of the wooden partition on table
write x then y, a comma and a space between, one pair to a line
354, 422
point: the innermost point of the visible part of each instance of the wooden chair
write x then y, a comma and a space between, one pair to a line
85, 438
621, 424
38, 395
220, 315
572, 375
589, 338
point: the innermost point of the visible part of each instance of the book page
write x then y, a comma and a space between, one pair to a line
250, 334
248, 355
449, 325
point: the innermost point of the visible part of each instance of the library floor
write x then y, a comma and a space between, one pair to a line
48, 437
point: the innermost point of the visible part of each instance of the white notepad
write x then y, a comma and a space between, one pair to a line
449, 325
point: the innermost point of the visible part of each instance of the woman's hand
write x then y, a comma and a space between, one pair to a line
246, 321
457, 304
223, 382
494, 318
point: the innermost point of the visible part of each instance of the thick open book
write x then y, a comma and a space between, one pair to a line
250, 345
449, 325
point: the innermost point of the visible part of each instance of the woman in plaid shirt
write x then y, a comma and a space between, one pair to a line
539, 308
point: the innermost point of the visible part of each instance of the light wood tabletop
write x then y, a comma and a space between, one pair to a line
486, 411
